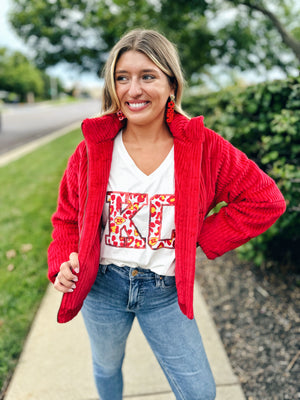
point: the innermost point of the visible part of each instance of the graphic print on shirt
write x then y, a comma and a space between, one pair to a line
157, 203
122, 230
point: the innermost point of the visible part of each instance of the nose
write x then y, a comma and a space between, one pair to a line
135, 88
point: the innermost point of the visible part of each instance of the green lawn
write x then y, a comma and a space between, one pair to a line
28, 195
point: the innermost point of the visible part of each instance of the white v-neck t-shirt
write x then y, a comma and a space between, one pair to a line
138, 225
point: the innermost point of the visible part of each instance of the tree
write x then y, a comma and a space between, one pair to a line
286, 37
247, 35
81, 32
19, 75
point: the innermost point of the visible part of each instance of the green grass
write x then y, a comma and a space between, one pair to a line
28, 196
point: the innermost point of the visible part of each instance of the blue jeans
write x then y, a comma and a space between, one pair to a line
120, 294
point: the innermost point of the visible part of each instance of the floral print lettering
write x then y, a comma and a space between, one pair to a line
120, 219
122, 230
157, 203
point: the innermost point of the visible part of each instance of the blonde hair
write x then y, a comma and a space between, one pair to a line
158, 49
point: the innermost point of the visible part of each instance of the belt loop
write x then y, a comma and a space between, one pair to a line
159, 281
103, 268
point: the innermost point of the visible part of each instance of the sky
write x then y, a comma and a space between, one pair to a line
9, 39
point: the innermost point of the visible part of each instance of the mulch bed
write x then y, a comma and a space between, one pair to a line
257, 316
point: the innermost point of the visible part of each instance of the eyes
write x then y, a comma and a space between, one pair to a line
123, 78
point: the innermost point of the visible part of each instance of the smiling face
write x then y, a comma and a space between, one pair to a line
142, 89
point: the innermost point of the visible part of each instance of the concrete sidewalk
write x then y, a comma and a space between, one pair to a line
56, 360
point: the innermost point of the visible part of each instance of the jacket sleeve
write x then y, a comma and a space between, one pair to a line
65, 233
254, 202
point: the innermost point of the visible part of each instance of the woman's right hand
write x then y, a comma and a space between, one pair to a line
66, 279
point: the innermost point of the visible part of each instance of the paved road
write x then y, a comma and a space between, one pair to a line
23, 123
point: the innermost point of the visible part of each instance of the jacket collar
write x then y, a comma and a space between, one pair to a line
97, 130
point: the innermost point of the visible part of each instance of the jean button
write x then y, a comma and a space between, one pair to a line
135, 272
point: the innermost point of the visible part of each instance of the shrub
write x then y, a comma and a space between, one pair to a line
264, 122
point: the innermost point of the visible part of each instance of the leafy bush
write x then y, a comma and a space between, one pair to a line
264, 122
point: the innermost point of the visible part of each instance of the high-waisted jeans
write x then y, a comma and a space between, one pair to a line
117, 296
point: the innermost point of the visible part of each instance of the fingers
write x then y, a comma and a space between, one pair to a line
66, 279
63, 288
74, 262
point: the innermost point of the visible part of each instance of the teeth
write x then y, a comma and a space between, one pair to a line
137, 105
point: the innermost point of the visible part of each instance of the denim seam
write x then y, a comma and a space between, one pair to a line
170, 377
129, 295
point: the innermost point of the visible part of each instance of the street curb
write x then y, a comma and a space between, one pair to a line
21, 151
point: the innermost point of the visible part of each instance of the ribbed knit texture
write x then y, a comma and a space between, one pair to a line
208, 170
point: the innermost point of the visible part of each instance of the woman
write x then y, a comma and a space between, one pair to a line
134, 199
